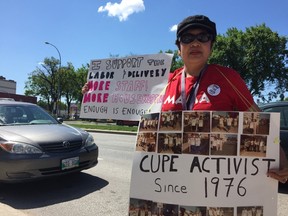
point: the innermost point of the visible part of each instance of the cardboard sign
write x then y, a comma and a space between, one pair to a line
205, 163
125, 88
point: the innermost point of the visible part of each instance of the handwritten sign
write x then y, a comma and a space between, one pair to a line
125, 88
205, 163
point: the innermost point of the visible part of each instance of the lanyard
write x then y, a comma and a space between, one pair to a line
188, 103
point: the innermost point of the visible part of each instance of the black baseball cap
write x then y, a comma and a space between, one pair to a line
197, 21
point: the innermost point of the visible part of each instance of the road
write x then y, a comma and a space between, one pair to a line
100, 191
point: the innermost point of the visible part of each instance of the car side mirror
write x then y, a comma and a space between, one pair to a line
60, 120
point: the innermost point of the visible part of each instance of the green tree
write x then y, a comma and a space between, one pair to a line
81, 74
51, 84
73, 80
259, 55
44, 82
177, 62
68, 82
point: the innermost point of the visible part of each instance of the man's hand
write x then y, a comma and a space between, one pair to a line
282, 173
85, 88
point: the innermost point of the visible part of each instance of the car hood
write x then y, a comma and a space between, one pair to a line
35, 134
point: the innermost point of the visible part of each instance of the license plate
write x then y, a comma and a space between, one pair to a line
69, 163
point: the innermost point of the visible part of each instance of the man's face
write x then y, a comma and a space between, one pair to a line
195, 52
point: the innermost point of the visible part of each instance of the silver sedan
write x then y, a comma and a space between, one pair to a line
35, 145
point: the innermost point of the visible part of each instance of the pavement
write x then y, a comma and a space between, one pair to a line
6, 210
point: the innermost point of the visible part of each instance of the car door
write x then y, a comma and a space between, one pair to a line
283, 110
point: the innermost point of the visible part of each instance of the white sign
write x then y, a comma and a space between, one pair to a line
205, 163
125, 88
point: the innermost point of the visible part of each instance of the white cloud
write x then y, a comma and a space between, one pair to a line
173, 28
124, 9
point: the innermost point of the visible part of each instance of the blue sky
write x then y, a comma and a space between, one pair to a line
94, 29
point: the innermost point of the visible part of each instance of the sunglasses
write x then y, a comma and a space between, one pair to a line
188, 38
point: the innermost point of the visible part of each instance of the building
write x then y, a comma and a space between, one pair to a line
8, 90
7, 86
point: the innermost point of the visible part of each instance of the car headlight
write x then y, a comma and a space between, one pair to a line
89, 141
19, 148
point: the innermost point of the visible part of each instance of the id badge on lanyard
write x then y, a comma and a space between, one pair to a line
188, 102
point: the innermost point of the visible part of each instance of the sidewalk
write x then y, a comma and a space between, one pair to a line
7, 210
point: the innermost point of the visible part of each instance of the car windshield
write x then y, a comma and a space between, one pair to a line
12, 114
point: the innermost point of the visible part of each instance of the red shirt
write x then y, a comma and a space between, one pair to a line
220, 88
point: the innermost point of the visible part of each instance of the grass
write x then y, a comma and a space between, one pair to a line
105, 127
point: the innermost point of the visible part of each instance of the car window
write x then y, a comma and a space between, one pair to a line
24, 114
12, 114
283, 110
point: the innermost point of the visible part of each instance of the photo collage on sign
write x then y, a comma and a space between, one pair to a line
139, 207
204, 133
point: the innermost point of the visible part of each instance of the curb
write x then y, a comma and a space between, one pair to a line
110, 131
